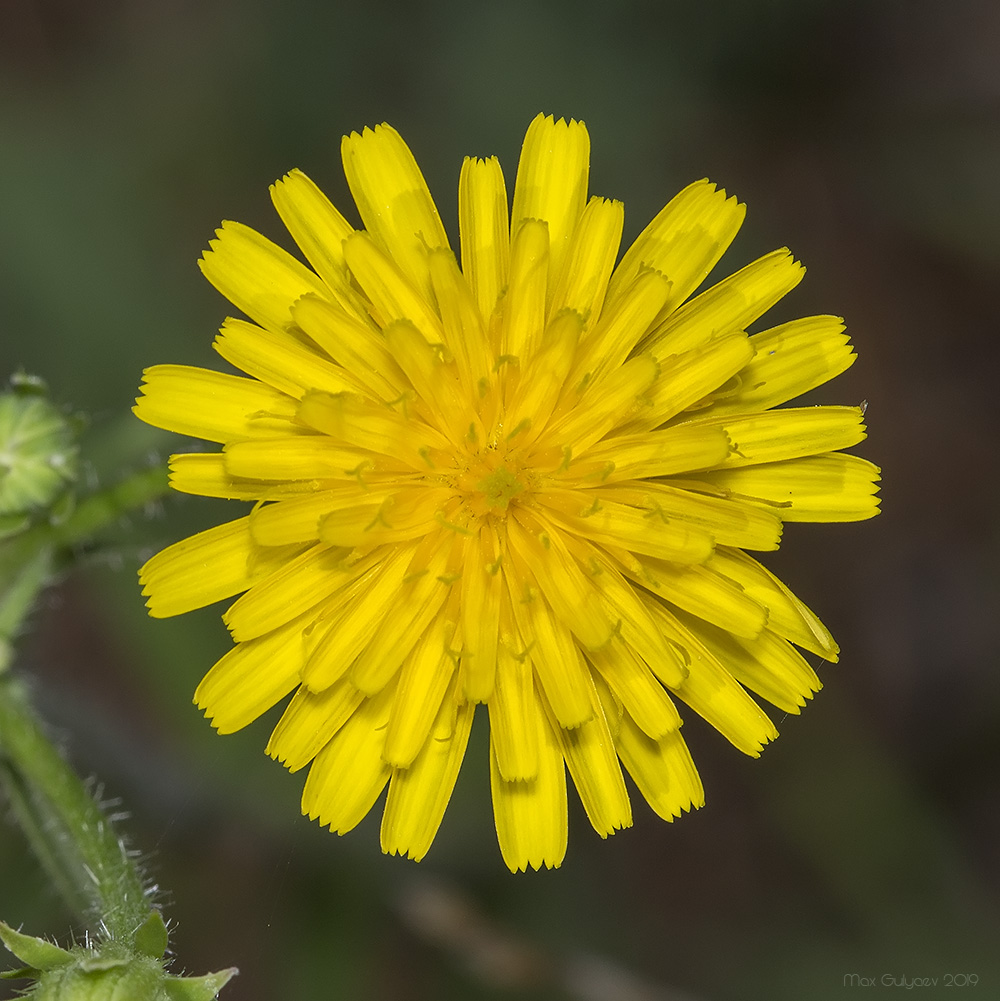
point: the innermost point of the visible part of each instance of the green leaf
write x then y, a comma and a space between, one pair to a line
198, 988
151, 936
36, 952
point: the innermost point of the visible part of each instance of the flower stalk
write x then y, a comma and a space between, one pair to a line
73, 839
31, 555
41, 525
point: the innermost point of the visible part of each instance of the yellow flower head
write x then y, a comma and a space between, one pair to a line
525, 479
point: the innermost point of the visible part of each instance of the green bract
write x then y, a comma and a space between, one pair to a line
110, 972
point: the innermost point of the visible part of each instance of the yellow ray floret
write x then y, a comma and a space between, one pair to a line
393, 200
515, 473
551, 184
484, 226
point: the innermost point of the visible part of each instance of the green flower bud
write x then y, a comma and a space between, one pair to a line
38, 453
38, 467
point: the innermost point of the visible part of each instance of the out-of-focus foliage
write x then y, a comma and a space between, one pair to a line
864, 136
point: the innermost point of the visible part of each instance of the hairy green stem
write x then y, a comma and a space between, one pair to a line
67, 828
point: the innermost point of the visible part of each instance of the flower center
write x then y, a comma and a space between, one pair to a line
499, 488
491, 480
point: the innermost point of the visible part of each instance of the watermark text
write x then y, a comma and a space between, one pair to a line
909, 983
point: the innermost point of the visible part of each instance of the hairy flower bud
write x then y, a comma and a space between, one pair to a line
38, 453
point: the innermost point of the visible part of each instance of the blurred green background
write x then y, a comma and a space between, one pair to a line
866, 136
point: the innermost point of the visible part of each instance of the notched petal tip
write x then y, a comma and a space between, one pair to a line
401, 851
224, 228
368, 132
563, 122
292, 176
518, 866
731, 201
211, 713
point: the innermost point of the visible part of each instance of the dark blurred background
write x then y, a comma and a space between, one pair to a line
866, 136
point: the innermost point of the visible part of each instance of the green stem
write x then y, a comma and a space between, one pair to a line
65, 826
105, 507
35, 820
28, 558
